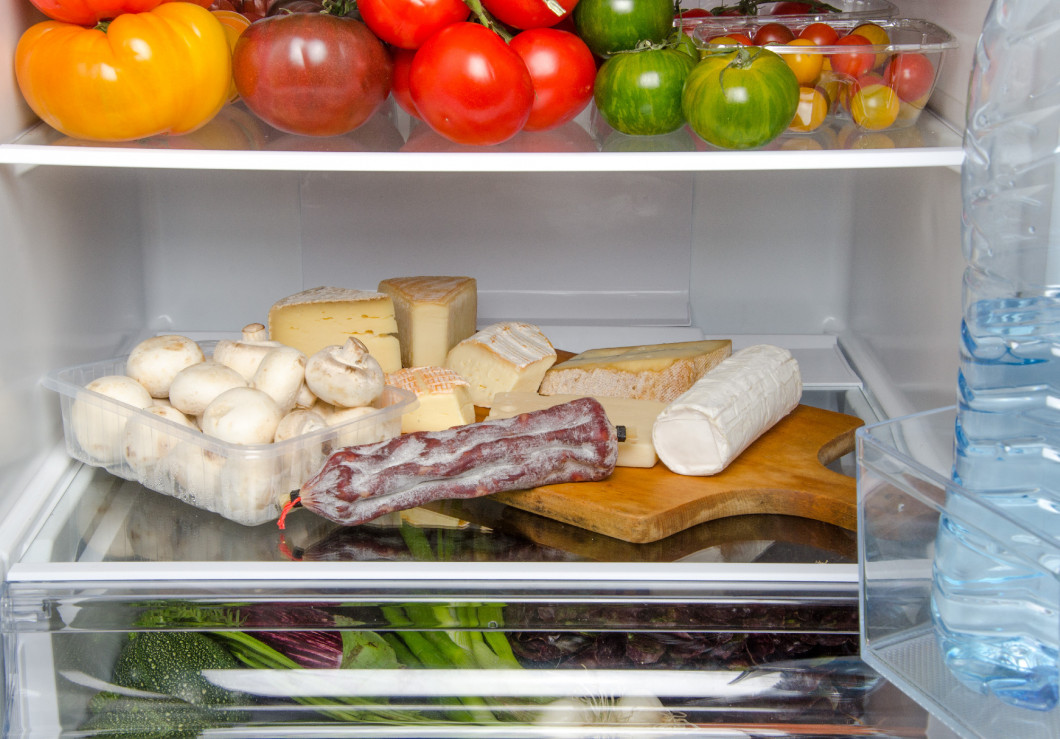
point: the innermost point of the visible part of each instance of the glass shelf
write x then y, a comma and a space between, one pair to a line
392, 142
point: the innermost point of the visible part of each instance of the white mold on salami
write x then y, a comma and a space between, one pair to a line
571, 442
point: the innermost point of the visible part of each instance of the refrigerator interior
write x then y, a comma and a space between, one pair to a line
850, 258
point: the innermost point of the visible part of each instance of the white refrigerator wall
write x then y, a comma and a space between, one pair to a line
95, 258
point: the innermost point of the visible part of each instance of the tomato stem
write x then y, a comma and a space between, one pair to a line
103, 26
340, 8
484, 17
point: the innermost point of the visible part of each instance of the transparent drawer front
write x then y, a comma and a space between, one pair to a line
904, 487
550, 665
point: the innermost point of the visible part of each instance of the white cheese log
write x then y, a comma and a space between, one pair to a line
711, 423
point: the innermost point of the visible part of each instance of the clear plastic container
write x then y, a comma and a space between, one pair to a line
905, 489
876, 87
842, 9
248, 484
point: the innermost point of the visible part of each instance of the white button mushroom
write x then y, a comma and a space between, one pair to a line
194, 387
242, 415
301, 460
353, 427
97, 424
245, 355
146, 444
297, 423
281, 374
156, 361
346, 375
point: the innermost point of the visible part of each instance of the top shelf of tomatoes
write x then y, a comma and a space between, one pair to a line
408, 76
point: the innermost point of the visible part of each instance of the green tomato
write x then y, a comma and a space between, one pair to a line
742, 99
639, 92
609, 26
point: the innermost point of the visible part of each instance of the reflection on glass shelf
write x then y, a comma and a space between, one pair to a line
236, 138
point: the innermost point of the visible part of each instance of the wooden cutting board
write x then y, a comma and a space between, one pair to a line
784, 471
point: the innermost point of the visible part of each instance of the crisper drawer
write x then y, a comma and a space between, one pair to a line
406, 654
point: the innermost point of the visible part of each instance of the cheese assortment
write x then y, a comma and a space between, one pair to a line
444, 398
326, 316
709, 425
636, 417
433, 315
502, 357
658, 372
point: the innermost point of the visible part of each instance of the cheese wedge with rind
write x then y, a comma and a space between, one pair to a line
502, 357
636, 416
650, 372
444, 398
433, 315
327, 316
708, 426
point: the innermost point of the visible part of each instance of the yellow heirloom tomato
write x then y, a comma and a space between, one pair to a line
164, 71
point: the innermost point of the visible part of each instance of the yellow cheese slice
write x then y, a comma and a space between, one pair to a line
444, 398
637, 416
650, 372
433, 315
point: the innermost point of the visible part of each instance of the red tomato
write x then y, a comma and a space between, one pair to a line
252, 10
694, 13
328, 92
791, 8
470, 87
408, 23
400, 87
854, 63
563, 71
526, 14
773, 33
911, 75
821, 34
90, 12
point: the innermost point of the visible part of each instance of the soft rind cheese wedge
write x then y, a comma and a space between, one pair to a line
708, 426
636, 416
500, 358
327, 316
444, 398
650, 372
433, 315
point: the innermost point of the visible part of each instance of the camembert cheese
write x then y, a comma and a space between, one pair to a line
500, 358
433, 315
708, 426
326, 316
635, 416
444, 398
652, 372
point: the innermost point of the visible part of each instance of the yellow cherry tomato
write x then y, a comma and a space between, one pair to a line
811, 111
877, 36
874, 106
164, 71
807, 67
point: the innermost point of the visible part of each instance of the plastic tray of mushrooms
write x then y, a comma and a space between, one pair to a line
230, 426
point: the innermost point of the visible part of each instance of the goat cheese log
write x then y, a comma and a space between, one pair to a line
571, 442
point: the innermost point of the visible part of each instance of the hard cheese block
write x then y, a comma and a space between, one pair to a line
651, 372
502, 357
326, 316
444, 398
433, 315
636, 416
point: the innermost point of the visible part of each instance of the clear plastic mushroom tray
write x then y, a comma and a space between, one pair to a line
248, 484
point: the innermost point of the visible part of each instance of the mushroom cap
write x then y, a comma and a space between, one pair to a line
196, 386
346, 376
242, 415
98, 426
154, 362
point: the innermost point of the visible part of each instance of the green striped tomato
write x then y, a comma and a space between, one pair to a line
639, 92
741, 99
610, 26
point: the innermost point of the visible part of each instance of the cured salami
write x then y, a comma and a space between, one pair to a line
571, 442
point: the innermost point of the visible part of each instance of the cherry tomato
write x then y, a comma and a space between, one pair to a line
526, 14
877, 36
731, 39
773, 33
811, 111
807, 67
326, 93
873, 105
911, 75
252, 10
791, 8
400, 88
562, 69
470, 87
853, 63
408, 23
821, 34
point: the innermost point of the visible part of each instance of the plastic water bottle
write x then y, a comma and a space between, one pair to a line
996, 589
